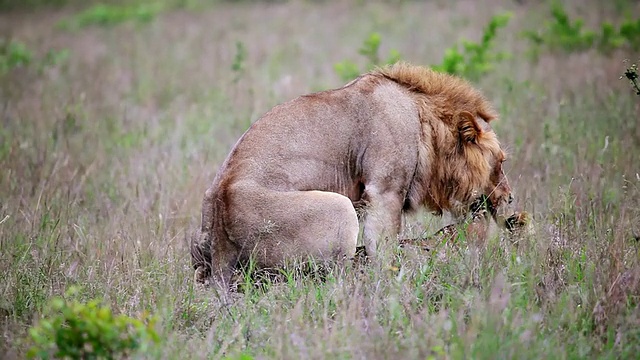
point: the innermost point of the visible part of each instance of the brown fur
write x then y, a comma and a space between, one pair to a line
391, 141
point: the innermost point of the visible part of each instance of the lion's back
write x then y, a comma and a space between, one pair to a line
306, 142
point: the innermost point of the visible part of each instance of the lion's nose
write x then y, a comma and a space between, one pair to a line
510, 198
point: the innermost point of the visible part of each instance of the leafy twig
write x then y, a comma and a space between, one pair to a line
632, 74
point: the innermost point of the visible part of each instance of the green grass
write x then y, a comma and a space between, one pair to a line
105, 161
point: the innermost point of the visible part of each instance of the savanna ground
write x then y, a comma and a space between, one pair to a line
105, 157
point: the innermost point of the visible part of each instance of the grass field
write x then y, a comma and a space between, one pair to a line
105, 157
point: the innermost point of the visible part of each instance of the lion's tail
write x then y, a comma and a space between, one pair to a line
201, 251
201, 242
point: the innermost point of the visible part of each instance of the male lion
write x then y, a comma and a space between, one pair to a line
386, 143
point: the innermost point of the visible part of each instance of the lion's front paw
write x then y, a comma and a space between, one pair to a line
416, 242
201, 276
520, 222
360, 257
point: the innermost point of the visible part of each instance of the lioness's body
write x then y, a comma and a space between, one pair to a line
290, 186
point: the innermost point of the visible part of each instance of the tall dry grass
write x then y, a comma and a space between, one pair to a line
105, 160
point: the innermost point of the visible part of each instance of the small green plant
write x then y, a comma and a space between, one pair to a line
632, 75
239, 61
348, 70
56, 57
76, 330
242, 356
12, 55
370, 49
110, 15
475, 59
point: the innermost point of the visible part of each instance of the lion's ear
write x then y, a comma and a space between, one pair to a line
468, 127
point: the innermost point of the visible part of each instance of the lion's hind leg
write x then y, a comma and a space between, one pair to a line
321, 225
281, 227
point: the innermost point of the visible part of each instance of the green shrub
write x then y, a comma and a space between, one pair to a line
475, 59
76, 330
110, 15
609, 38
562, 33
472, 61
12, 55
348, 70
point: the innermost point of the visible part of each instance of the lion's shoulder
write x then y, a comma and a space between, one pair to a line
458, 93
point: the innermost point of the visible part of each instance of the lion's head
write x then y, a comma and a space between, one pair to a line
482, 160
461, 157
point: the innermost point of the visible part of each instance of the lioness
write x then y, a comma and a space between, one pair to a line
386, 143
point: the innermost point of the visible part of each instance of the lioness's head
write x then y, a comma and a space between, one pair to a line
483, 158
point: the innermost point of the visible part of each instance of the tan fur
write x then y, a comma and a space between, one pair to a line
391, 141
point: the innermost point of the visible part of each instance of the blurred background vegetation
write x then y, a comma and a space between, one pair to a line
116, 115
